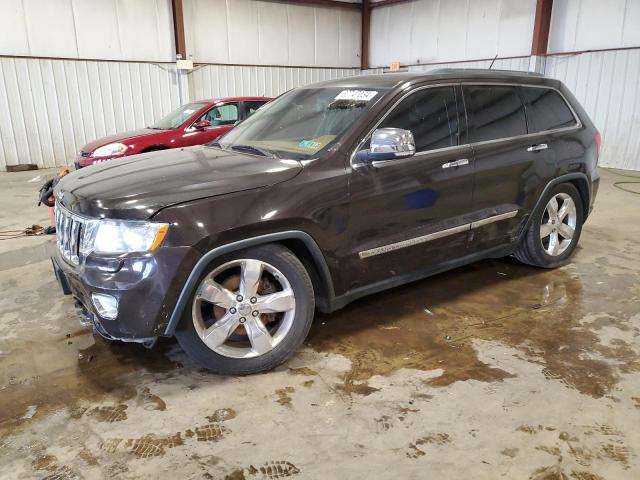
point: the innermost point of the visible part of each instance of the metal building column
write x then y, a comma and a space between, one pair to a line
540, 41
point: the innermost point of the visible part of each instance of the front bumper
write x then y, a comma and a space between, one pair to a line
146, 287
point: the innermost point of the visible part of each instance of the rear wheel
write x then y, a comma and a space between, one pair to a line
250, 312
554, 231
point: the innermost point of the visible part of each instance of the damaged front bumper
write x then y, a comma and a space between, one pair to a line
142, 288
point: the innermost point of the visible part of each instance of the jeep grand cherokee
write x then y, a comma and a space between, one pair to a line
329, 193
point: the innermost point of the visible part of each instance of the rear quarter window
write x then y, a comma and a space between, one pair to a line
495, 112
546, 109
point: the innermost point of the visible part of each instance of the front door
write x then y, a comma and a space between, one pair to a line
221, 118
410, 214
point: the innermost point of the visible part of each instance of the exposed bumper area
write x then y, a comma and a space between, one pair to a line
145, 288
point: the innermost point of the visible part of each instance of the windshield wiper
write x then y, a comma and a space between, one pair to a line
252, 149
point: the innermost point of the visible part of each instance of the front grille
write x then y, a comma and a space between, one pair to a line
68, 233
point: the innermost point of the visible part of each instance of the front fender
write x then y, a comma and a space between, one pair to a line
216, 252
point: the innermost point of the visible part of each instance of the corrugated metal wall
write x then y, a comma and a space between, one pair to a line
51, 108
269, 33
100, 29
607, 86
428, 31
516, 63
213, 81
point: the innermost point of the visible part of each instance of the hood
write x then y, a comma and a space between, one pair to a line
119, 137
137, 187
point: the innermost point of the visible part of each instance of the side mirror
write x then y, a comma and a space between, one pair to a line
389, 144
201, 125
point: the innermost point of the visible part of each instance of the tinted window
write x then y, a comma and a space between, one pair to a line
431, 115
546, 109
494, 112
226, 114
251, 107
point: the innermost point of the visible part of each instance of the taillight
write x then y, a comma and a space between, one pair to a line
598, 140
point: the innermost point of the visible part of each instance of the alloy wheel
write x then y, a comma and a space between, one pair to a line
558, 224
243, 308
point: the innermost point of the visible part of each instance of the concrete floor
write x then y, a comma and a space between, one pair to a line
495, 370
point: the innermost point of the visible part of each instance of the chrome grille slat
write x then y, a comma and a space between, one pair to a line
68, 231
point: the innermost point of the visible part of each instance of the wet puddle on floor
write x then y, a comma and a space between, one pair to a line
428, 325
431, 325
48, 374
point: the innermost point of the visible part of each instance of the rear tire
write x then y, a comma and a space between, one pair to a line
555, 229
250, 312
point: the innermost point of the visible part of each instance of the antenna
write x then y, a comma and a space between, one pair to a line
492, 61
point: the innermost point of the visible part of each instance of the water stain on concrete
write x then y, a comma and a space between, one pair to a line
55, 375
302, 371
284, 398
150, 401
541, 312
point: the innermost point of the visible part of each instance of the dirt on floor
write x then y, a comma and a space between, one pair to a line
492, 370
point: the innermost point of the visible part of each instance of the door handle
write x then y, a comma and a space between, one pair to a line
538, 147
456, 163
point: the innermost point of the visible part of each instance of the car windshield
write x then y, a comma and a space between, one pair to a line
177, 117
302, 122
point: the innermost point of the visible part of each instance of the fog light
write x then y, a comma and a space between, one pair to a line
106, 305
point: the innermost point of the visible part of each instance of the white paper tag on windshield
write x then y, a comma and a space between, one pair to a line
357, 95
189, 111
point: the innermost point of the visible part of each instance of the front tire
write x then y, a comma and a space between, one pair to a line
249, 313
554, 231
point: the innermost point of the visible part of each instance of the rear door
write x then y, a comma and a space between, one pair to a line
249, 107
408, 214
508, 163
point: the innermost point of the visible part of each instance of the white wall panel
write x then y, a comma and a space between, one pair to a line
14, 39
100, 29
428, 31
216, 81
606, 84
49, 109
593, 24
253, 32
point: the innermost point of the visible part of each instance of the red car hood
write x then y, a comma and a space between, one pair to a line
119, 137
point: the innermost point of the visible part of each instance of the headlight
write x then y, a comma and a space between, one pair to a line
109, 150
113, 236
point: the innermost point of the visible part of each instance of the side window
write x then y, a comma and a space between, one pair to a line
226, 114
494, 112
546, 109
431, 115
251, 107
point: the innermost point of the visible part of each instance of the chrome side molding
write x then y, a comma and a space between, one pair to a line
435, 235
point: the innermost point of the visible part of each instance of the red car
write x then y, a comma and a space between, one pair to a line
192, 124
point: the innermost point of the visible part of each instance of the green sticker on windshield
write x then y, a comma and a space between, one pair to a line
309, 144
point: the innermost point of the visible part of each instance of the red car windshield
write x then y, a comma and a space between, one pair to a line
177, 117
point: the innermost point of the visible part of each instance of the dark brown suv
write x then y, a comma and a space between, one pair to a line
329, 193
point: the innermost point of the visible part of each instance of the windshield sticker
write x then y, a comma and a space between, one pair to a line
309, 144
189, 111
356, 95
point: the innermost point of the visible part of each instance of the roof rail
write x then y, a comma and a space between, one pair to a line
484, 71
